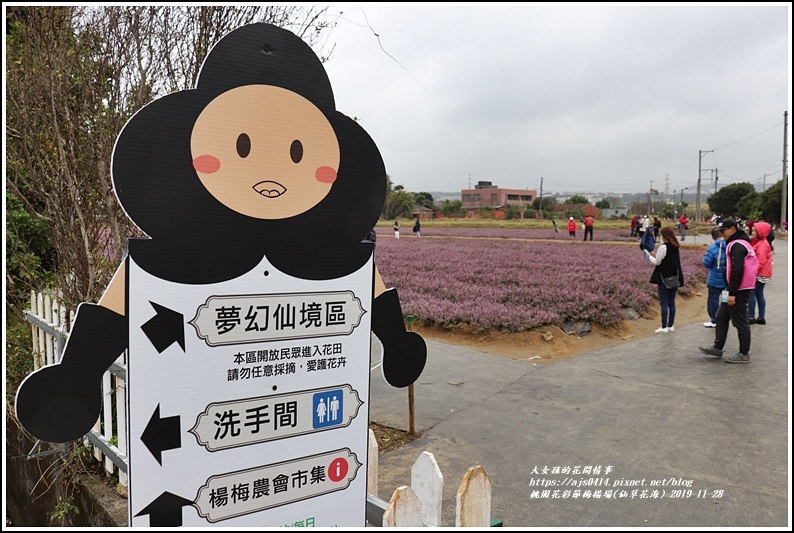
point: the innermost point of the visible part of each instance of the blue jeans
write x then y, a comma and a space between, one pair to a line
757, 295
713, 303
667, 301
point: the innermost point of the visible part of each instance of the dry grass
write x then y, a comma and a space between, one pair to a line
390, 438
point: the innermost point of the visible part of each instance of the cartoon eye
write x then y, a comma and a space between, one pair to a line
296, 151
243, 145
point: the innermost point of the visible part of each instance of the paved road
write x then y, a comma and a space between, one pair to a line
648, 409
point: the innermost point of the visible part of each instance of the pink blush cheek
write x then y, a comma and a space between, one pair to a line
206, 164
325, 175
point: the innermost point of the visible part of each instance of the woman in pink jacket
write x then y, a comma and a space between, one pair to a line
763, 251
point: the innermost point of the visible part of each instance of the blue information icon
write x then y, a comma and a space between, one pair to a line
327, 408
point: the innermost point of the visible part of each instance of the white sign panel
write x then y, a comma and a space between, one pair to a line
248, 399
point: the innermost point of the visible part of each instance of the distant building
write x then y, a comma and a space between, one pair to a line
609, 212
422, 212
485, 195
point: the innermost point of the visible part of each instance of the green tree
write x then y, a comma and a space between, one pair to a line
425, 199
603, 204
725, 201
769, 203
666, 210
748, 206
30, 257
451, 208
577, 199
545, 204
399, 204
512, 212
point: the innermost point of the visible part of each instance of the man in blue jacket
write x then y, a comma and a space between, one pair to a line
714, 260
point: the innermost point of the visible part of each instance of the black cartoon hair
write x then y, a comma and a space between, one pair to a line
194, 238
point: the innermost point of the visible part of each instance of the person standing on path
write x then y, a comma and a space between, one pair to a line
682, 226
657, 227
556, 227
572, 227
741, 269
640, 227
668, 263
763, 251
714, 260
633, 225
588, 227
647, 244
646, 224
396, 229
417, 228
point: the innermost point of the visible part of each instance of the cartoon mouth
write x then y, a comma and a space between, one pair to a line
270, 189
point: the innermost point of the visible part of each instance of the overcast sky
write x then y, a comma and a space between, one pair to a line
591, 97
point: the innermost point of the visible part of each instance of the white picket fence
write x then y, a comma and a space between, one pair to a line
410, 506
419, 505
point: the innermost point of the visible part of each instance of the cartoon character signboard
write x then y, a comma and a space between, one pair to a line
247, 309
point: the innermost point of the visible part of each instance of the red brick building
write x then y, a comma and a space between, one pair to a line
485, 195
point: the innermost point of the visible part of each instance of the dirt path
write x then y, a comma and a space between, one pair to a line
562, 346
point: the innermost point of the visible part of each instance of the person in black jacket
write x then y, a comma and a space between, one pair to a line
668, 263
740, 276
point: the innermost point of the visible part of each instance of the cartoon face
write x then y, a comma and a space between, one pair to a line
265, 152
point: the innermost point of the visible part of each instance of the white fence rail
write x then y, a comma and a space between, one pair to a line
410, 506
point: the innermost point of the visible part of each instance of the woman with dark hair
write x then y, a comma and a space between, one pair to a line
668, 263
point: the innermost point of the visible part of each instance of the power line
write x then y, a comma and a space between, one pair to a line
750, 137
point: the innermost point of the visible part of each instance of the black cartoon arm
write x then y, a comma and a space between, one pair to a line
60, 403
404, 352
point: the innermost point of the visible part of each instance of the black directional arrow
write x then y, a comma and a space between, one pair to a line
166, 510
165, 328
161, 434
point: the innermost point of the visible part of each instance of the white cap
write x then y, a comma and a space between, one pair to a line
571, 218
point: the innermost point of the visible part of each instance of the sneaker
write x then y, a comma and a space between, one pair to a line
711, 350
738, 358
752, 320
661, 330
671, 329
761, 321
710, 324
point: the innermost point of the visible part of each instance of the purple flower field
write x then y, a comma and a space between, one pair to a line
516, 285
514, 233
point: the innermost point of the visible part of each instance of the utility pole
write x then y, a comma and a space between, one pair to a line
784, 175
675, 214
763, 186
650, 199
697, 196
716, 178
540, 202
